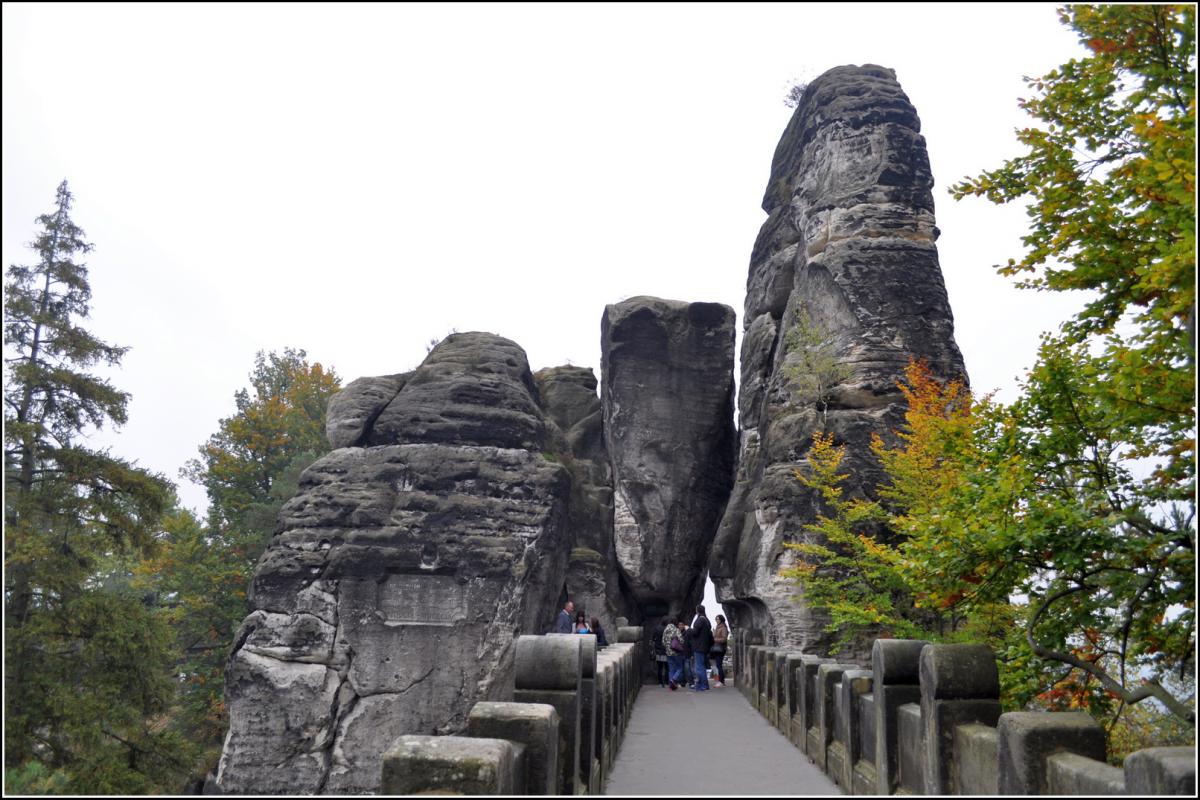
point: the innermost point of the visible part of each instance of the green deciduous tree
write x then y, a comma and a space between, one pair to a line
86, 664
1104, 434
279, 424
1110, 179
842, 570
200, 574
812, 367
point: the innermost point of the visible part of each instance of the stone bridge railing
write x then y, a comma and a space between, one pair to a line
926, 719
559, 735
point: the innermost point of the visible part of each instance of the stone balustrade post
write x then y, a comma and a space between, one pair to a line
534, 725
768, 706
960, 684
742, 670
453, 765
607, 669
588, 710
754, 681
895, 671
549, 669
1161, 770
791, 691
829, 675
844, 751
806, 689
783, 719
1029, 738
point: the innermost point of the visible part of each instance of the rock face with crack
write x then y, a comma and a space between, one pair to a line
845, 269
388, 600
668, 421
575, 435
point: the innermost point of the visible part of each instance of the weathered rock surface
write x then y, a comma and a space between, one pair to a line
399, 575
473, 388
848, 240
352, 412
668, 414
575, 436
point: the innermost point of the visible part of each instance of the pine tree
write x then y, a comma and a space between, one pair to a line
87, 665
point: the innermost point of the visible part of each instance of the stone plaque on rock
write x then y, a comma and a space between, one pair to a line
422, 600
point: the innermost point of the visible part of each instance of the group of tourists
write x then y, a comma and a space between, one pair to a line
682, 652
579, 623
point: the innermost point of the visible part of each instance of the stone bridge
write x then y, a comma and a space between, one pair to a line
923, 719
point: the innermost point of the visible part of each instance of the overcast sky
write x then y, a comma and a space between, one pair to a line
356, 180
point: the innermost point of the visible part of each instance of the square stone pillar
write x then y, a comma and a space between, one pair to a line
1029, 738
549, 669
960, 684
895, 670
829, 675
534, 725
806, 686
588, 710
768, 706
453, 765
791, 692
1161, 770
854, 684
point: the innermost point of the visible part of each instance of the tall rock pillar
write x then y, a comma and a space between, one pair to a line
847, 252
667, 393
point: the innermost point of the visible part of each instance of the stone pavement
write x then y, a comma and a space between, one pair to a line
708, 743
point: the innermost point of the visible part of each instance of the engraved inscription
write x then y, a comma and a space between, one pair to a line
422, 600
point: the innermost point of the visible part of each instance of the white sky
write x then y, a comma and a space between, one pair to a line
356, 180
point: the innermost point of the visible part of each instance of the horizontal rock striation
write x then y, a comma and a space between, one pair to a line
846, 256
389, 598
667, 394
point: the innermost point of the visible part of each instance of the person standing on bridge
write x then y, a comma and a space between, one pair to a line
672, 640
598, 632
720, 643
565, 623
689, 654
660, 653
702, 641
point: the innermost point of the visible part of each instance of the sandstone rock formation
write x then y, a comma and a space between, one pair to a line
575, 425
847, 253
388, 600
667, 392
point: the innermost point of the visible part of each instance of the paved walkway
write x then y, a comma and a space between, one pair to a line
708, 743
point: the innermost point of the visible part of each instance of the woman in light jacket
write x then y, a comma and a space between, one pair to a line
717, 653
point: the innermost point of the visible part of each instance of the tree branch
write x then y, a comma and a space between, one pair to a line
1150, 688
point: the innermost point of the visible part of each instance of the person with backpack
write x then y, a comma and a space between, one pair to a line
672, 640
662, 672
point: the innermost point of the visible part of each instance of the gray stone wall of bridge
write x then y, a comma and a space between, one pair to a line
926, 719
559, 735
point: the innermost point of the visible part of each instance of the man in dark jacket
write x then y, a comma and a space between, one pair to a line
565, 622
702, 640
688, 658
